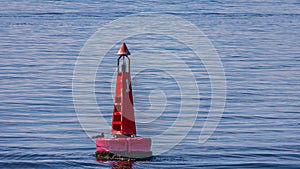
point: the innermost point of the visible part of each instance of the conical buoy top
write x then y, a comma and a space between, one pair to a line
123, 51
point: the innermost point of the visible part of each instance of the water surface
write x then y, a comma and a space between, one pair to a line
258, 43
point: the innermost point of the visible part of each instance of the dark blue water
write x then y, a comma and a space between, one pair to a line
258, 43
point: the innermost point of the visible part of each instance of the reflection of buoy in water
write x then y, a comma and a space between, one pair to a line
125, 143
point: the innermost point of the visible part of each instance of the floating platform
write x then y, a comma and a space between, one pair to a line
123, 148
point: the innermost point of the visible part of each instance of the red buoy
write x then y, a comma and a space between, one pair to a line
125, 143
123, 122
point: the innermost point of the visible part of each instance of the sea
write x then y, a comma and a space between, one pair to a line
237, 105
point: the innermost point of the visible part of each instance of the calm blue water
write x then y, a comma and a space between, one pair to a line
258, 43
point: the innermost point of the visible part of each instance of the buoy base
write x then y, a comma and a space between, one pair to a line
123, 148
122, 155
